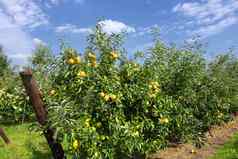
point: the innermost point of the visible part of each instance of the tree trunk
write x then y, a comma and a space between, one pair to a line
4, 136
41, 113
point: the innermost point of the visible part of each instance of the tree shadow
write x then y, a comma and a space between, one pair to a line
36, 154
39, 152
234, 147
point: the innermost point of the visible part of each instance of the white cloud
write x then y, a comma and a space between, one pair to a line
38, 42
209, 16
70, 28
57, 2
16, 43
24, 13
110, 26
158, 30
16, 16
141, 31
213, 29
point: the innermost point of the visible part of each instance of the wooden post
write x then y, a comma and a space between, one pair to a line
41, 113
4, 136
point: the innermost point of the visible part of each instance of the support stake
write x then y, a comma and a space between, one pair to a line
41, 113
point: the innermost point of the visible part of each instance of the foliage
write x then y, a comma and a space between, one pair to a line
14, 106
4, 63
103, 105
41, 58
106, 106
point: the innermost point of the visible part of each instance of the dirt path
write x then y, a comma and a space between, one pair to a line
220, 135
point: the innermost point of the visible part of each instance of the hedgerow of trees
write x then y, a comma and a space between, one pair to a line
104, 105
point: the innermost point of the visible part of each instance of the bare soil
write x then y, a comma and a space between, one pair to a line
215, 139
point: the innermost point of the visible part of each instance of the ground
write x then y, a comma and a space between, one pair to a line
229, 150
214, 148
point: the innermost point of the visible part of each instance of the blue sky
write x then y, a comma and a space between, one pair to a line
27, 23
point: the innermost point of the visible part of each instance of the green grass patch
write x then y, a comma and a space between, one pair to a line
25, 144
229, 150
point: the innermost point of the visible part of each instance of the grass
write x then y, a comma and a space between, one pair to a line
229, 150
25, 144
31, 145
